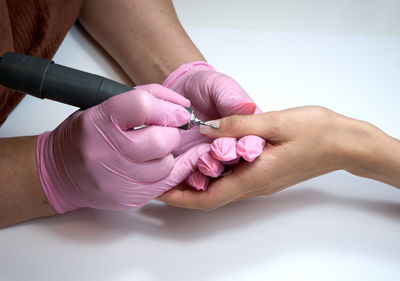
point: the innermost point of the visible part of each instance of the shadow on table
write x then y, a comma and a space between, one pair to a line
167, 222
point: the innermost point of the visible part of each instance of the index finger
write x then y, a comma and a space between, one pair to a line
139, 107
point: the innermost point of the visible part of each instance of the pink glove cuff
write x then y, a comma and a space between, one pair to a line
45, 176
174, 76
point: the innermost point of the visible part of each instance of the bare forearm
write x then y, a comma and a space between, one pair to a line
21, 194
144, 36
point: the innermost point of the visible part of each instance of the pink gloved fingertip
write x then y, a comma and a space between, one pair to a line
245, 107
178, 116
174, 76
224, 149
250, 147
209, 166
198, 181
258, 110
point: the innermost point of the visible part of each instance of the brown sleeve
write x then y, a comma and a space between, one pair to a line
34, 27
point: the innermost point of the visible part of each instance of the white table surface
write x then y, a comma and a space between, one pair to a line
335, 227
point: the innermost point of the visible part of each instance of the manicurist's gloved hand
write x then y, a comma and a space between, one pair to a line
212, 94
94, 158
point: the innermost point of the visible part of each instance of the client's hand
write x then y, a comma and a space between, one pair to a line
302, 143
212, 94
94, 158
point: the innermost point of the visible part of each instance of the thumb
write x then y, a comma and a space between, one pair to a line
186, 164
264, 125
229, 97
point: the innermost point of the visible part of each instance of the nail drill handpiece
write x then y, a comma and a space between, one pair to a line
43, 78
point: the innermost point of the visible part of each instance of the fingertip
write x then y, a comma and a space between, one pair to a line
178, 116
166, 113
186, 163
245, 107
211, 128
237, 106
219, 193
209, 166
250, 147
224, 149
187, 198
198, 181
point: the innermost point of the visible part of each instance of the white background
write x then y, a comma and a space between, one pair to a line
343, 55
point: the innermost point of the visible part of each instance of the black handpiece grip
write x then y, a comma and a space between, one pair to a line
45, 79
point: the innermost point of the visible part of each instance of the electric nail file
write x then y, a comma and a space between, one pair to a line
43, 78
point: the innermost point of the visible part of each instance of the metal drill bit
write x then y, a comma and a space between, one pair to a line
197, 122
194, 121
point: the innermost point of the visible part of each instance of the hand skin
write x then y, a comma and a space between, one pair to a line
144, 36
22, 197
302, 143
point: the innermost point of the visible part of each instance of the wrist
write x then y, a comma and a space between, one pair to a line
47, 168
372, 153
354, 142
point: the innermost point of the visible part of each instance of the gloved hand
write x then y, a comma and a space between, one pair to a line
94, 159
224, 150
212, 95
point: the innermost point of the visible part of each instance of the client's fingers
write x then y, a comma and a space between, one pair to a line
198, 181
250, 147
221, 192
209, 166
264, 125
224, 149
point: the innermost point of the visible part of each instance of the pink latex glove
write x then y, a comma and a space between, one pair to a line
210, 166
198, 181
227, 151
94, 159
224, 150
250, 147
212, 94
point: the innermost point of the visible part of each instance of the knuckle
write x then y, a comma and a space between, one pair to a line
82, 122
159, 142
168, 162
316, 113
236, 123
276, 121
142, 101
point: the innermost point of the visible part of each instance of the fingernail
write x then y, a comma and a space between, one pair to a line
206, 129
